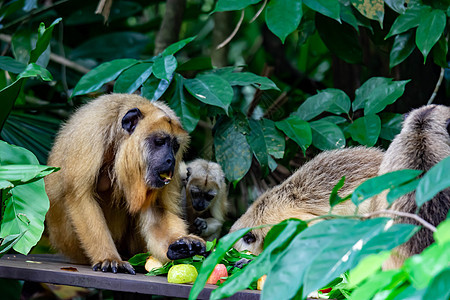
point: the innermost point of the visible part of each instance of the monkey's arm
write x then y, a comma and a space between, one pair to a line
166, 236
92, 231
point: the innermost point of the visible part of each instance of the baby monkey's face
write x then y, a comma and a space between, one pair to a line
201, 196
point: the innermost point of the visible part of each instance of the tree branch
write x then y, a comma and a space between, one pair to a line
170, 26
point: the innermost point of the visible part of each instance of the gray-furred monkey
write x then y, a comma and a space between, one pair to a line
422, 143
305, 194
205, 198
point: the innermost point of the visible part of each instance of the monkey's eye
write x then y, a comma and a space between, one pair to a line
196, 194
249, 238
176, 146
209, 196
159, 142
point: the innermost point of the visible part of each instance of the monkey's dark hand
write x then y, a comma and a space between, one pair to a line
187, 246
114, 266
200, 225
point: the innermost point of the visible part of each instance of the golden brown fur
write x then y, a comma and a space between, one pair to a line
205, 179
101, 205
306, 193
423, 142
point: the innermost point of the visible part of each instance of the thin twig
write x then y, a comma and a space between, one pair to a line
259, 12
436, 88
402, 214
227, 40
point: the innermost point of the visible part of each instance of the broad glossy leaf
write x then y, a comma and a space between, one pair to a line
434, 181
232, 151
247, 78
214, 258
373, 9
331, 100
9, 242
19, 207
175, 47
430, 29
45, 34
186, 108
367, 267
10, 94
164, 66
341, 39
297, 130
368, 289
376, 93
376, 185
275, 140
440, 51
283, 17
334, 197
391, 124
326, 135
399, 191
258, 145
438, 288
102, 74
334, 119
261, 264
442, 233
210, 89
132, 78
154, 88
11, 65
34, 70
329, 8
403, 46
348, 16
20, 174
410, 19
399, 6
227, 5
366, 130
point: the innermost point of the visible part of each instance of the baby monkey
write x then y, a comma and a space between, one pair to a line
205, 198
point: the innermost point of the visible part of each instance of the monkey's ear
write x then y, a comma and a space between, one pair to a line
130, 120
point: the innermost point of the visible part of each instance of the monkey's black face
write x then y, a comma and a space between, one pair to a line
162, 149
201, 199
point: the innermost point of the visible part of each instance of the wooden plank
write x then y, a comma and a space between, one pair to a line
56, 269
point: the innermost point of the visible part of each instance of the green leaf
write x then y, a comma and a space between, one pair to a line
227, 5
326, 135
410, 19
340, 39
401, 190
376, 185
440, 51
257, 142
366, 130
348, 16
430, 29
367, 267
373, 9
21, 174
247, 78
399, 6
391, 125
376, 93
378, 282
9, 242
403, 46
175, 47
334, 197
153, 88
34, 70
283, 17
434, 181
11, 65
132, 78
329, 8
102, 74
274, 138
186, 108
29, 201
442, 233
261, 264
438, 288
297, 130
9, 95
232, 150
331, 100
139, 259
214, 258
210, 89
164, 67
43, 42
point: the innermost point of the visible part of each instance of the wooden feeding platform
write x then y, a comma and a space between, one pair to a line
55, 269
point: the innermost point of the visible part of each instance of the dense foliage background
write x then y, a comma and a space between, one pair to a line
261, 86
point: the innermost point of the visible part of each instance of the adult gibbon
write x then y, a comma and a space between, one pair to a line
118, 190
205, 198
305, 194
423, 142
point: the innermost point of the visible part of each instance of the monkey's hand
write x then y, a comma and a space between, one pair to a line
114, 266
187, 246
200, 226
